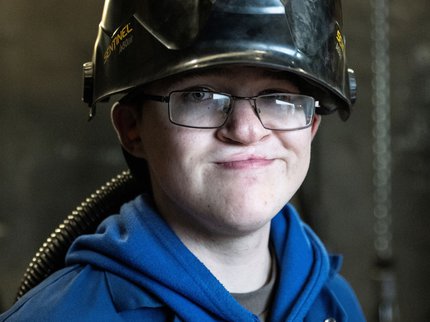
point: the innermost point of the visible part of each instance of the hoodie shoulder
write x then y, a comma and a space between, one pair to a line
85, 294
336, 300
344, 294
71, 294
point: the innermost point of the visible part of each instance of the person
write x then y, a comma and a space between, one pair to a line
219, 102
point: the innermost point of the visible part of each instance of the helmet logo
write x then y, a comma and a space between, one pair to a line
120, 40
340, 43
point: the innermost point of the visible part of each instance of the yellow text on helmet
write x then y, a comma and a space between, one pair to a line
117, 38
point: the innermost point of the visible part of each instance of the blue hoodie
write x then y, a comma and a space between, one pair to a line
134, 268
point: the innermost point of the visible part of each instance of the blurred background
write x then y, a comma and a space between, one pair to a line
366, 193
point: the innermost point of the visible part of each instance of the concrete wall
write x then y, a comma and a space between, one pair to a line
52, 158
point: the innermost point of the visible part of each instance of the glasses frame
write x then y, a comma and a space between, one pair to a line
252, 99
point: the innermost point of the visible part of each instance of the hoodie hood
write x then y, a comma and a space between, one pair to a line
140, 247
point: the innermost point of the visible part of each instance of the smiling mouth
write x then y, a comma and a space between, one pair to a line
245, 164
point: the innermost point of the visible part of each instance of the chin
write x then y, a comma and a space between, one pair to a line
267, 201
246, 218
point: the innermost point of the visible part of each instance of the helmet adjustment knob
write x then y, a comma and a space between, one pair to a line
352, 85
88, 71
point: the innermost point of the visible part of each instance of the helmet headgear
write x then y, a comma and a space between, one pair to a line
141, 41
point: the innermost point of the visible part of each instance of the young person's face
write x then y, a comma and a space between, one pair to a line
229, 181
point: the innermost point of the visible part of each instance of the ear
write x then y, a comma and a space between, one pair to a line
315, 125
126, 121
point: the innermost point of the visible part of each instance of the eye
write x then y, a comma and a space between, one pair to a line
196, 97
200, 96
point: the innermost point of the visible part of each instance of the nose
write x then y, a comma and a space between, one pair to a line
243, 125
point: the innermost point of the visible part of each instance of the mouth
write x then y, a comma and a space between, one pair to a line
250, 162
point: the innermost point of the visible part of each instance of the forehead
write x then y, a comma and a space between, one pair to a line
225, 75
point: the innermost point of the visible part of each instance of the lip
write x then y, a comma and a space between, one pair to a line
245, 162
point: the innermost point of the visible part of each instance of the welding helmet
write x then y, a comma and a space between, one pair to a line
141, 41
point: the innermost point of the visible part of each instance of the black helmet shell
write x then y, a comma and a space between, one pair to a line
143, 41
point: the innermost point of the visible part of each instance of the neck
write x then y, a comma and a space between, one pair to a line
242, 264
238, 256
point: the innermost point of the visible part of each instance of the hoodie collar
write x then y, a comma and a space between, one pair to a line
137, 248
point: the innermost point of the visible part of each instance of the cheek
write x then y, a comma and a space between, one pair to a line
171, 150
297, 147
156, 133
297, 143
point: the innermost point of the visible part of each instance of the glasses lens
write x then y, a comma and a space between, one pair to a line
198, 108
285, 111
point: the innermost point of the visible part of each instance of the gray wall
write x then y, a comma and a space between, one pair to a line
52, 158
